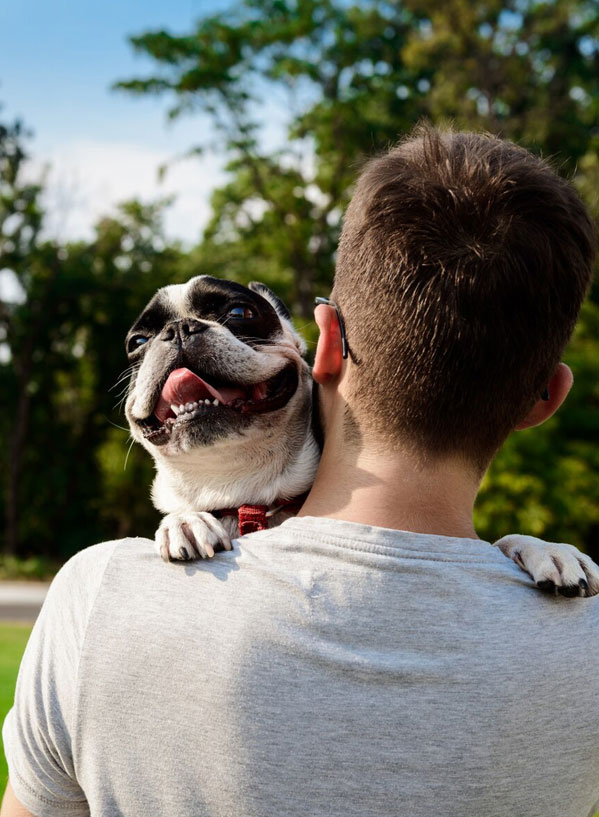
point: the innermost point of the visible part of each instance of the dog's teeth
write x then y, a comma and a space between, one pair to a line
189, 406
215, 402
175, 409
181, 408
207, 402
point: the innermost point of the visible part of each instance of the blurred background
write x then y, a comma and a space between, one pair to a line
143, 143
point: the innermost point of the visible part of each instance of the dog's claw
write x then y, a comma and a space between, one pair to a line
190, 536
554, 567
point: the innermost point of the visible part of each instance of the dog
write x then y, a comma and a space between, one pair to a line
220, 395
222, 398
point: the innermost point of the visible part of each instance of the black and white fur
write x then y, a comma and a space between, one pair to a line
217, 457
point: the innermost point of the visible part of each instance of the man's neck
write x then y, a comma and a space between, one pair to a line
393, 489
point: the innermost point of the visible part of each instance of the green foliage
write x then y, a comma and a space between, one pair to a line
62, 352
355, 78
20, 213
34, 568
545, 481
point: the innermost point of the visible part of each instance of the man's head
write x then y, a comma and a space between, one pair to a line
462, 266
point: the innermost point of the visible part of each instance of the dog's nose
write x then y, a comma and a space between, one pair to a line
182, 329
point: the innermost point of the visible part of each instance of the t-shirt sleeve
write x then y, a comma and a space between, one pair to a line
39, 731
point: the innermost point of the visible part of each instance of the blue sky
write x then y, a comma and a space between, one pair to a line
58, 59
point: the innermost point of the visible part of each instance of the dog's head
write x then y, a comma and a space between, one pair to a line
213, 361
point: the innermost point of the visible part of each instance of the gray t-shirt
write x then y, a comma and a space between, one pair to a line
321, 668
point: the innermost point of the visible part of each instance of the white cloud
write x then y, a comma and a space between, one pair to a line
87, 178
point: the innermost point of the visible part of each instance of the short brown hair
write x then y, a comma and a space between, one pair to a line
462, 266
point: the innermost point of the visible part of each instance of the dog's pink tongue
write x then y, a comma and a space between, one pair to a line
183, 386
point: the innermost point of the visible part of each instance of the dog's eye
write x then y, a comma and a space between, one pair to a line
136, 341
241, 312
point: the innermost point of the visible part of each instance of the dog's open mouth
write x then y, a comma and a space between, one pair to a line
186, 396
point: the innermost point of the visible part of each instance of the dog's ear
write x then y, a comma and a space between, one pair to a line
281, 310
273, 299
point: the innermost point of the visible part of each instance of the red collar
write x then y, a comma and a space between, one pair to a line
251, 518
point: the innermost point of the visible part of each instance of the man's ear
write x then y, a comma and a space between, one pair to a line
558, 387
328, 360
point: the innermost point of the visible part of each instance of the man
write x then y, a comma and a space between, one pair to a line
372, 656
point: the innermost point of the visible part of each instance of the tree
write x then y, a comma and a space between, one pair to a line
62, 349
20, 221
354, 78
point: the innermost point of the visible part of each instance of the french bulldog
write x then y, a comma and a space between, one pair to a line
221, 396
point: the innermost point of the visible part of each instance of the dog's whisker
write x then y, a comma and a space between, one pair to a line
118, 383
121, 379
122, 428
123, 390
128, 452
119, 403
128, 369
255, 339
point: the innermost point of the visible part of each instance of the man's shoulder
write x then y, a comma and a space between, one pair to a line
95, 558
78, 581
103, 550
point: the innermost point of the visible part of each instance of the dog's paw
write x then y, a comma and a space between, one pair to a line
190, 536
557, 568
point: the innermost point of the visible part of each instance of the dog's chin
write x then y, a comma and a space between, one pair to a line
206, 422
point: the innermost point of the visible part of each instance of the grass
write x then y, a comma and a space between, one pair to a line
13, 638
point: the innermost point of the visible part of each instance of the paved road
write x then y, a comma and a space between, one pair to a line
21, 601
